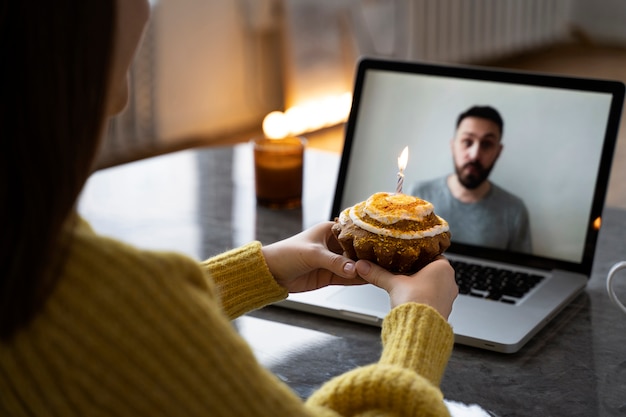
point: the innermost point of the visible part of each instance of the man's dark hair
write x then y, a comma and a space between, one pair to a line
483, 112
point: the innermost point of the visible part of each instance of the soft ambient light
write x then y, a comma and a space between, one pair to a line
308, 117
597, 223
275, 125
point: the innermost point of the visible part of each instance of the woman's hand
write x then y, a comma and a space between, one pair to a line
433, 285
310, 260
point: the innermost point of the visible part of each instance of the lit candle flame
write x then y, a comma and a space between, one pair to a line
402, 161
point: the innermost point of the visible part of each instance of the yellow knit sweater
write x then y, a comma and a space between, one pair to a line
130, 332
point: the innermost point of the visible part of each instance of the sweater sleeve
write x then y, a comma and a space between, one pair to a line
128, 332
243, 280
417, 343
424, 343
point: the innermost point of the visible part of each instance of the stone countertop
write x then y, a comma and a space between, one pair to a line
201, 202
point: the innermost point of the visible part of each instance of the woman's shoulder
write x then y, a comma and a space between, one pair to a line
101, 264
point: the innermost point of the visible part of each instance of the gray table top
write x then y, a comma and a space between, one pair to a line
201, 202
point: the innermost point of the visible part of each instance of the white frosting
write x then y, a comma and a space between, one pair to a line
417, 212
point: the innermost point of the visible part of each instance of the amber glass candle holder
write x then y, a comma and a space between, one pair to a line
278, 168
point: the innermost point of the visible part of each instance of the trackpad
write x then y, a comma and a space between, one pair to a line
363, 297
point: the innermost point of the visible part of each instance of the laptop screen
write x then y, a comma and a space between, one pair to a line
558, 136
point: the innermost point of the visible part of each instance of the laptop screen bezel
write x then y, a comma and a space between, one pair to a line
614, 88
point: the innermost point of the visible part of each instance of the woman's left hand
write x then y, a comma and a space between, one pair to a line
310, 260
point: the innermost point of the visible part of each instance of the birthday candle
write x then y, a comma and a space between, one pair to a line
402, 161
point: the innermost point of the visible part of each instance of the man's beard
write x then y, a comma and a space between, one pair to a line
471, 181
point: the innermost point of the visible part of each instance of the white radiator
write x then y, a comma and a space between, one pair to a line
469, 31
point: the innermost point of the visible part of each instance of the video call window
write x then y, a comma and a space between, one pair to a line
552, 145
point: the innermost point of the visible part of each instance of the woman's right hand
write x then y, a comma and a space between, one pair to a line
433, 285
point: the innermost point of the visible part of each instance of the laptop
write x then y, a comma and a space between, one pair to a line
559, 137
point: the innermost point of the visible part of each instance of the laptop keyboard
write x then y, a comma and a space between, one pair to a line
498, 284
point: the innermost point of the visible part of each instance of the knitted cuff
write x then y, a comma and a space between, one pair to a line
417, 337
243, 280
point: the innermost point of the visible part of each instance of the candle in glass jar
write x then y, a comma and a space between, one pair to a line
278, 170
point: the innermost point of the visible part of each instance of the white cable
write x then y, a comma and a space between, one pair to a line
609, 285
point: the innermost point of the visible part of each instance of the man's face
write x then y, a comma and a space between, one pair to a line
475, 149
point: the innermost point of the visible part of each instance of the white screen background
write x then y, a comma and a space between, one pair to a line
552, 146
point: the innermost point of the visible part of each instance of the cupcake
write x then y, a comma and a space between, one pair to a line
399, 232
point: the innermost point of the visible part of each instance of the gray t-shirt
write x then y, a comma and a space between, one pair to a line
499, 220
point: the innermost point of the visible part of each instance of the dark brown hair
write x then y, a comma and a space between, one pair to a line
483, 112
53, 84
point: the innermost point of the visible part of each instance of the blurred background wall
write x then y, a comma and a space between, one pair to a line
211, 70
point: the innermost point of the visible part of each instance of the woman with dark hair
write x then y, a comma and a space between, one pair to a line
92, 326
